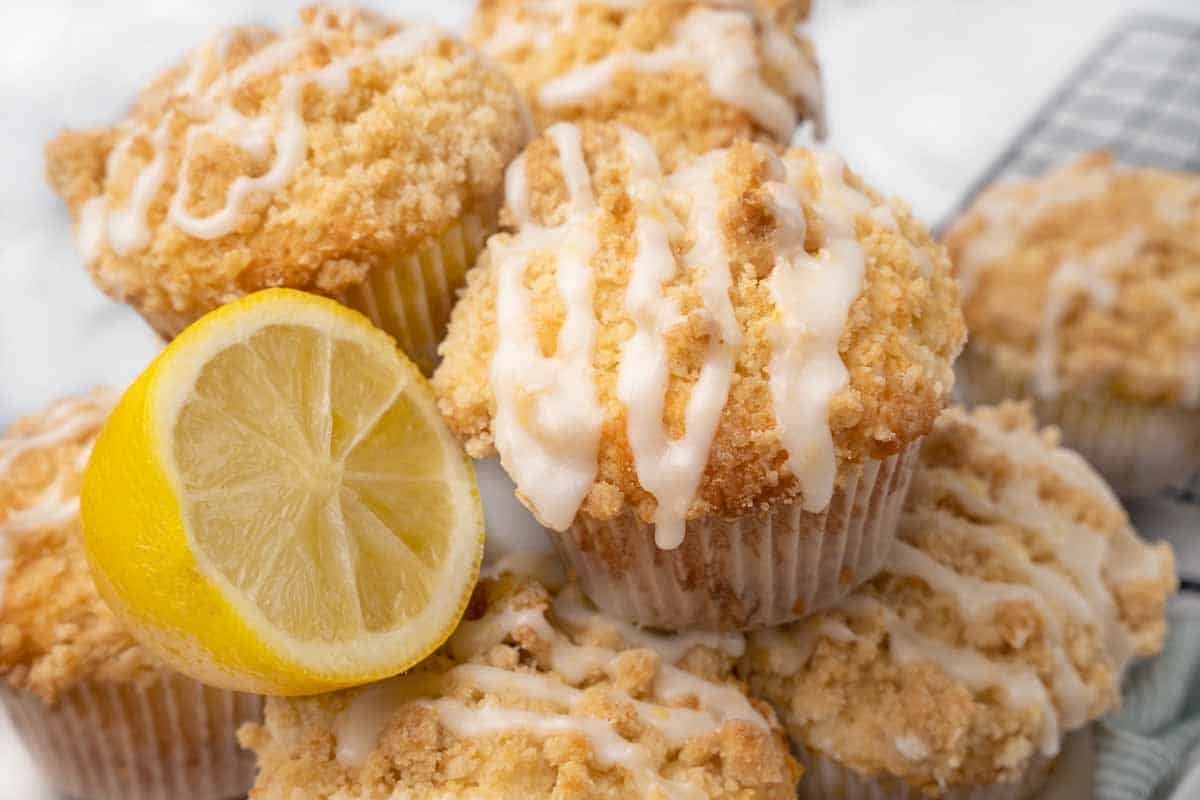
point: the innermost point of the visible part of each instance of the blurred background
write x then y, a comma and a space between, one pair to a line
923, 97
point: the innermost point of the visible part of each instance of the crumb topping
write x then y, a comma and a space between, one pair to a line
1016, 597
710, 246
55, 631
536, 695
301, 159
693, 76
1085, 280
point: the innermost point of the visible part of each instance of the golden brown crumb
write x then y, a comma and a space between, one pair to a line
901, 335
519, 658
1142, 343
390, 160
996, 558
677, 107
55, 631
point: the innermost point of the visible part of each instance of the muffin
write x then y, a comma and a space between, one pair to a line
355, 157
100, 717
536, 695
1081, 294
692, 76
1014, 599
710, 385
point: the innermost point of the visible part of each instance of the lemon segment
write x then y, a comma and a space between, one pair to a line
275, 505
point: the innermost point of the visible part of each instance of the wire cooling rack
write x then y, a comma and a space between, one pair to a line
1137, 95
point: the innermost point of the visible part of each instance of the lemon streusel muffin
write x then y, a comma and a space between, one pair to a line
100, 716
1082, 293
692, 76
710, 384
536, 695
1004, 619
356, 157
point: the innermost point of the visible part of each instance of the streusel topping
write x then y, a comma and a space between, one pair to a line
693, 76
1015, 598
536, 695
300, 159
1085, 280
55, 631
702, 341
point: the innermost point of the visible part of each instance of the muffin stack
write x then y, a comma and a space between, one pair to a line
716, 369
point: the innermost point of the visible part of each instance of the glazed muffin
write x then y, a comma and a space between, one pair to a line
536, 695
692, 76
354, 156
1004, 619
100, 717
1081, 293
710, 384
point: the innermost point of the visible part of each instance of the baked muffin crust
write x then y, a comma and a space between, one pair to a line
536, 695
1085, 279
301, 159
693, 76
902, 328
55, 631
1015, 598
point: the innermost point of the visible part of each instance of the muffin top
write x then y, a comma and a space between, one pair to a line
1086, 280
693, 76
1015, 597
701, 342
535, 695
300, 159
55, 631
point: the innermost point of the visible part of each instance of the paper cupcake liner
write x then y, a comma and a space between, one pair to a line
825, 779
411, 299
1138, 449
173, 738
752, 571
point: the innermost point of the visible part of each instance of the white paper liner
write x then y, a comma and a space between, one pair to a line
825, 779
173, 738
1138, 449
752, 571
412, 298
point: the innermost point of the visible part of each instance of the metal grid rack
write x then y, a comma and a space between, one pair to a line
1137, 95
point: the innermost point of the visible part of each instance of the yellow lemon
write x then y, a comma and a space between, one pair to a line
275, 505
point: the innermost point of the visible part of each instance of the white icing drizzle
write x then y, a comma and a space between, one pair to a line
282, 132
722, 45
66, 420
911, 747
608, 747
978, 599
1008, 213
358, 727
89, 231
971, 668
126, 229
53, 506
670, 469
547, 421
542, 20
1090, 276
1075, 590
812, 295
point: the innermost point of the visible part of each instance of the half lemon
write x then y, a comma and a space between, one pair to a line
275, 505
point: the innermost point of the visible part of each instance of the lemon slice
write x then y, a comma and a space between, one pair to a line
275, 505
